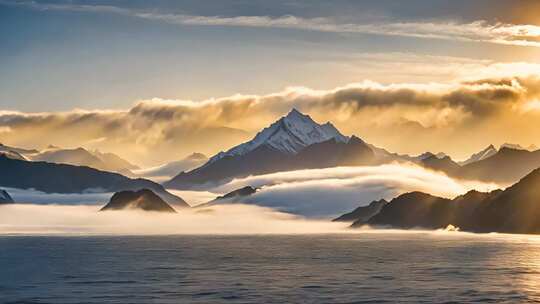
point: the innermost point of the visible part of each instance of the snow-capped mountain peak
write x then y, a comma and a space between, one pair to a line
427, 155
289, 135
487, 152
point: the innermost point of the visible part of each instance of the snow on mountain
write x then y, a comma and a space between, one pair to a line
385, 156
512, 146
12, 155
289, 134
491, 150
487, 152
427, 155
531, 147
4, 148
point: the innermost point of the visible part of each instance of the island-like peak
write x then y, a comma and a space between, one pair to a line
143, 199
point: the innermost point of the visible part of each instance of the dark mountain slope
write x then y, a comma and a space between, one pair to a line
444, 164
5, 198
242, 192
266, 159
293, 142
362, 214
514, 210
61, 178
506, 166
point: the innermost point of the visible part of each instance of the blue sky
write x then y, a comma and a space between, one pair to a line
60, 55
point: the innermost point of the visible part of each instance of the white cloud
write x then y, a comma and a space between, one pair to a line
478, 31
38, 197
334, 191
85, 220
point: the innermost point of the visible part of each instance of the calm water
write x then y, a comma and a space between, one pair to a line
348, 268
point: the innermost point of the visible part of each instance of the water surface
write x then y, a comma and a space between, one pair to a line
330, 268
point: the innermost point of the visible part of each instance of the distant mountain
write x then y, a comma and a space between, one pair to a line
78, 157
5, 198
531, 147
13, 155
171, 169
384, 156
487, 152
83, 157
491, 150
291, 143
4, 148
444, 164
514, 210
62, 178
114, 161
143, 199
362, 214
428, 155
506, 166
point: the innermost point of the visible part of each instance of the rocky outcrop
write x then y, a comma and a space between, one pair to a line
143, 199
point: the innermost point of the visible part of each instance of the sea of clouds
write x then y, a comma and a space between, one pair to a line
300, 201
326, 193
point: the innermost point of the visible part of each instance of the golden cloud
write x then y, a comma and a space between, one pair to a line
456, 117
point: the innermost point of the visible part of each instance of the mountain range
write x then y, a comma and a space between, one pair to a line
78, 157
82, 157
295, 142
505, 166
513, 210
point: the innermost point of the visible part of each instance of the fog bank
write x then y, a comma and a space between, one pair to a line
86, 220
330, 192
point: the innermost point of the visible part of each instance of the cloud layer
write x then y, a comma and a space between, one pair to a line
334, 191
495, 104
476, 31
38, 197
85, 220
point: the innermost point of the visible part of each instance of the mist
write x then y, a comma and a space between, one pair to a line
326, 193
238, 219
38, 197
30, 219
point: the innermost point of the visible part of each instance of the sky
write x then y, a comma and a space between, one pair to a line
156, 81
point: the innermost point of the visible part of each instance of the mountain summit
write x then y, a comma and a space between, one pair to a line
487, 152
292, 142
290, 134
